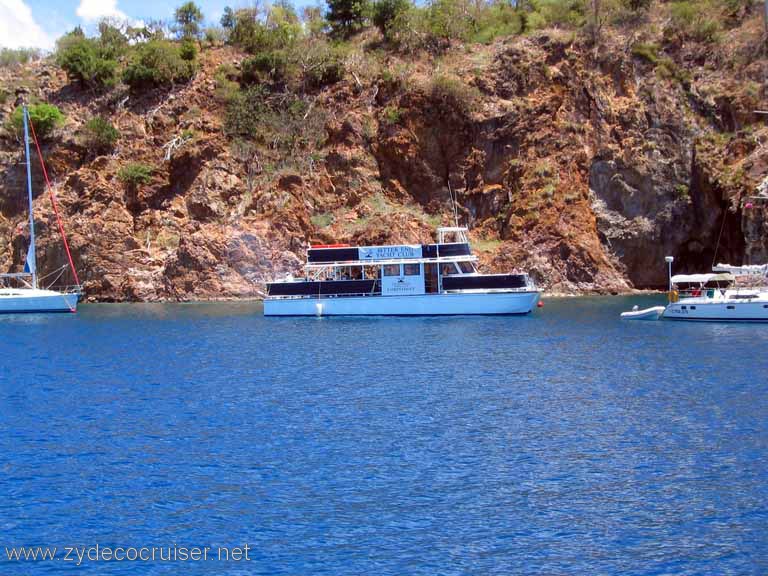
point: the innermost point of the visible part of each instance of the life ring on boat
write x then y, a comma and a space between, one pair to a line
674, 296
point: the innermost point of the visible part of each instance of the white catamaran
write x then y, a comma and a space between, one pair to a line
26, 296
404, 280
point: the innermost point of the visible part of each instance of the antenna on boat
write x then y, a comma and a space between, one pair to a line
453, 202
30, 265
669, 260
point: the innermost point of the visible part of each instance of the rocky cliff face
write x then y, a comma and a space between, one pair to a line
584, 167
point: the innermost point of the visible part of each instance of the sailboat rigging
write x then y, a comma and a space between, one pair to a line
30, 298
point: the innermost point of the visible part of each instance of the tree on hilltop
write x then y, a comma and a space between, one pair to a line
346, 16
188, 18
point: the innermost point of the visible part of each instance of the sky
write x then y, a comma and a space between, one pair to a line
37, 23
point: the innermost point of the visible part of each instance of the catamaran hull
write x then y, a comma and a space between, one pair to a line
727, 311
420, 305
31, 304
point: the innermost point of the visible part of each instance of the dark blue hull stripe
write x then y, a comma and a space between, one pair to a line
433, 315
716, 319
52, 310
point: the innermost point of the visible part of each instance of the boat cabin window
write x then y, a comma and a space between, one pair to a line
411, 269
392, 270
466, 267
349, 273
449, 269
372, 272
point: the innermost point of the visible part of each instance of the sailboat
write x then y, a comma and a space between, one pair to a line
712, 297
29, 297
717, 296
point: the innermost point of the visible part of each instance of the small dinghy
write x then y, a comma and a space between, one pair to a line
646, 314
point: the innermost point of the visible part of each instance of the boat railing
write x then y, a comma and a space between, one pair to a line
377, 292
697, 293
323, 296
72, 289
739, 292
489, 290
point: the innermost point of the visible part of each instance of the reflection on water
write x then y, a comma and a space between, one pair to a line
565, 442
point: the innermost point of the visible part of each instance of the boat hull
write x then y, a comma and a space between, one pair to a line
36, 301
722, 311
420, 305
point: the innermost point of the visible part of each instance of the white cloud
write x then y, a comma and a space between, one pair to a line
18, 28
93, 10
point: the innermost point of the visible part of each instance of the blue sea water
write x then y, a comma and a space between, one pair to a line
565, 442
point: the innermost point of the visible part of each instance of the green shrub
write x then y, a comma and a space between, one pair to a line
562, 13
694, 20
11, 56
246, 112
246, 30
45, 119
188, 50
386, 14
157, 63
85, 61
99, 135
323, 65
280, 30
322, 220
285, 122
647, 52
265, 66
451, 94
112, 42
283, 24
392, 115
682, 190
215, 36
498, 19
446, 20
667, 69
135, 174
226, 84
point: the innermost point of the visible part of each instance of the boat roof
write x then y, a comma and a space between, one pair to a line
392, 254
441, 260
752, 270
701, 278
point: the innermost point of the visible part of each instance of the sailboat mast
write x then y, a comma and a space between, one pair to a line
31, 252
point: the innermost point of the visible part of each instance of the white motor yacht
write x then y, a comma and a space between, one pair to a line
402, 280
